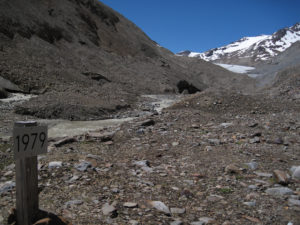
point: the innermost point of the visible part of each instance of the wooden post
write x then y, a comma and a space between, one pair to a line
27, 201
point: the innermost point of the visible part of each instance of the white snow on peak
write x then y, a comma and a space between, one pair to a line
261, 47
244, 43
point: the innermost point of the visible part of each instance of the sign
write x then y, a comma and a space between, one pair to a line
30, 141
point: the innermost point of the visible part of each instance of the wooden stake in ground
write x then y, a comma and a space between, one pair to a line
29, 141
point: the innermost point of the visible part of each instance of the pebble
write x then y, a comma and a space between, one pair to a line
214, 198
295, 172
261, 174
281, 177
55, 164
294, 202
254, 140
130, 204
232, 169
252, 165
160, 206
109, 210
175, 143
176, 222
252, 187
73, 202
214, 141
279, 191
133, 222
177, 210
83, 166
7, 186
250, 204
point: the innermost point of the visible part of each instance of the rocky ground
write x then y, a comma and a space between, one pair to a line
214, 158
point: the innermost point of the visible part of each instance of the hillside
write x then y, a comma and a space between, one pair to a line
86, 61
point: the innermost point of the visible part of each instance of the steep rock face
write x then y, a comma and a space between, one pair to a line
81, 52
251, 50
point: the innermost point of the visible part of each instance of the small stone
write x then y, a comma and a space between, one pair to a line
55, 165
177, 210
130, 205
206, 220
176, 222
261, 174
83, 166
73, 202
7, 186
254, 140
142, 163
250, 204
208, 148
160, 206
73, 179
133, 222
279, 191
296, 172
281, 177
232, 169
294, 202
175, 143
252, 187
109, 210
252, 125
252, 165
214, 198
214, 141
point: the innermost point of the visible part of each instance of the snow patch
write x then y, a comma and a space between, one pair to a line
236, 68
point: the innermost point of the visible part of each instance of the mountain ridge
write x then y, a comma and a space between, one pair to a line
251, 50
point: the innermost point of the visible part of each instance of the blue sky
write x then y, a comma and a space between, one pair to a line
199, 25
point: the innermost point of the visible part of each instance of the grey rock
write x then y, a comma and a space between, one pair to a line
130, 205
294, 202
252, 187
142, 163
295, 172
254, 140
261, 174
55, 164
250, 204
214, 141
281, 177
177, 210
160, 206
8, 85
279, 191
133, 222
83, 166
214, 198
252, 165
176, 222
7, 186
109, 210
73, 202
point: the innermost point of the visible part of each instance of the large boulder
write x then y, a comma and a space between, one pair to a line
8, 85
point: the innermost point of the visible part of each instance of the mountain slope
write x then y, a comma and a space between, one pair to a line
251, 50
86, 61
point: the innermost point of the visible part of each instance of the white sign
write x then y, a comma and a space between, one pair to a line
30, 141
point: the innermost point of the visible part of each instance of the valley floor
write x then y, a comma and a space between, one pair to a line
209, 159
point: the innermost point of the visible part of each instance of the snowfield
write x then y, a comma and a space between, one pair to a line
236, 68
